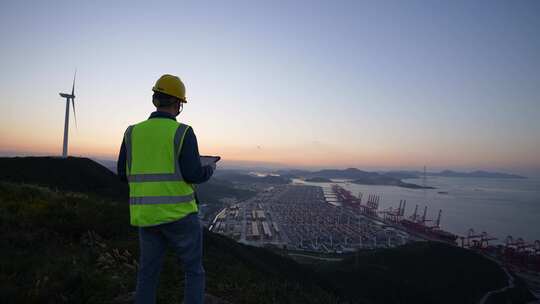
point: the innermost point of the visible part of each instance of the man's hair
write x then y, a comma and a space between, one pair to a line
163, 100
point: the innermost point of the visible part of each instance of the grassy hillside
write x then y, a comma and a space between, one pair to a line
70, 242
67, 247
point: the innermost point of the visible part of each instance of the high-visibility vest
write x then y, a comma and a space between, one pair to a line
157, 192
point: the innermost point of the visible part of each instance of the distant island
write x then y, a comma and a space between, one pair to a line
482, 174
450, 173
384, 180
352, 174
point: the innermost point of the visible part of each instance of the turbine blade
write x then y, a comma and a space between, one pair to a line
74, 113
73, 87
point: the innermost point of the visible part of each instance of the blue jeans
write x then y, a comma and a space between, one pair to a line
185, 237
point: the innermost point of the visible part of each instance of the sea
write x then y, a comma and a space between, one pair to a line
500, 207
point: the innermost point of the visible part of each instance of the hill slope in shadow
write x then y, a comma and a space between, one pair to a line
420, 272
69, 247
65, 237
68, 174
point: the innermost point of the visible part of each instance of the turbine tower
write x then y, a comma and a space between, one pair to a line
68, 97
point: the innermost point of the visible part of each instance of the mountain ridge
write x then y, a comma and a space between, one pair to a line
451, 173
354, 175
69, 174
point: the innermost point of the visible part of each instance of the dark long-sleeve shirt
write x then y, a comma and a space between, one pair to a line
190, 164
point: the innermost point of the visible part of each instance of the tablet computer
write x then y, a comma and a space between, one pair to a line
207, 160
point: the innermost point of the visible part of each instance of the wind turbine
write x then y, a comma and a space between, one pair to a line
68, 97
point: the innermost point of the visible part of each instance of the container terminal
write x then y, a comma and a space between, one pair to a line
331, 219
307, 218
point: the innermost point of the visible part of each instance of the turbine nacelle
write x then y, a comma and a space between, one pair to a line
66, 95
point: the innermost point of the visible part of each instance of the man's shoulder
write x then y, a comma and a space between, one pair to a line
188, 129
183, 124
189, 137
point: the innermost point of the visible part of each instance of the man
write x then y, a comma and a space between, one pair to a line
159, 158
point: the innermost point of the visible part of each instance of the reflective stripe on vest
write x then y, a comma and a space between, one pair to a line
159, 177
149, 200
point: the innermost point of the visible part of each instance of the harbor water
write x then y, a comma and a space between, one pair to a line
500, 207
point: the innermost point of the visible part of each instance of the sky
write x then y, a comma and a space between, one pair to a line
367, 84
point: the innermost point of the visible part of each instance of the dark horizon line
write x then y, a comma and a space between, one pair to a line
248, 164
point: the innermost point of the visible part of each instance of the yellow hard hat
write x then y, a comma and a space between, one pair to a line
171, 85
